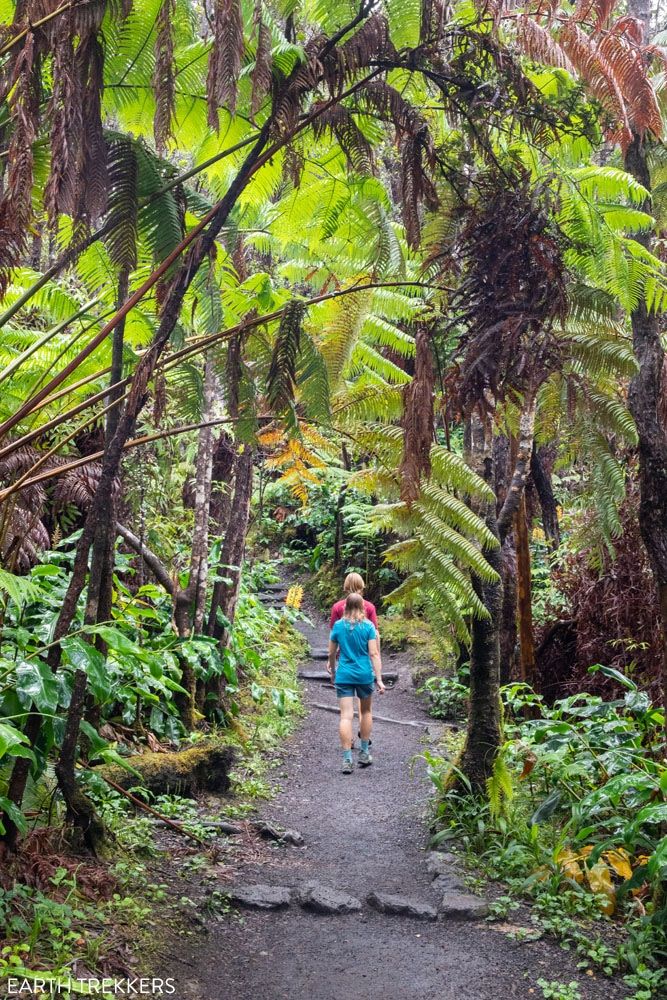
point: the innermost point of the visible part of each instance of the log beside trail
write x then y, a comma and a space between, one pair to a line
388, 676
201, 768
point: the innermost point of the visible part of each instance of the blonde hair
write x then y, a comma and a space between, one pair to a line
355, 609
354, 584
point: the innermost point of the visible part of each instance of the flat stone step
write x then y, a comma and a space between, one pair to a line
319, 654
323, 899
462, 906
262, 897
401, 906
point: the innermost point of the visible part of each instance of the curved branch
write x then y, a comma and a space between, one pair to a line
157, 568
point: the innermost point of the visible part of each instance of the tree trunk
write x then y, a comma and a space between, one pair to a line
156, 567
543, 486
80, 810
647, 401
190, 601
339, 529
502, 470
509, 670
484, 730
484, 733
225, 595
199, 564
522, 465
524, 603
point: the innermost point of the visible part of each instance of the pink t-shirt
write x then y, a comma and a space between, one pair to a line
338, 611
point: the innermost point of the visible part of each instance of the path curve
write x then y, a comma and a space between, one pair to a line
362, 832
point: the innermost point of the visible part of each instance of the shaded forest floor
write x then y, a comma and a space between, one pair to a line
362, 833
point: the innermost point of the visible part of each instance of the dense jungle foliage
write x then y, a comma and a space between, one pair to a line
296, 286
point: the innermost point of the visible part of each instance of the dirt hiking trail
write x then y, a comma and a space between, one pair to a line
362, 833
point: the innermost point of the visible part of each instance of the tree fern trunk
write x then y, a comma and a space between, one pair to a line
543, 485
190, 602
508, 631
524, 597
484, 731
225, 594
647, 401
199, 566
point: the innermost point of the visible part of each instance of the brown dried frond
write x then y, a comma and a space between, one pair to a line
16, 201
340, 122
370, 43
434, 17
159, 398
78, 486
23, 539
335, 65
293, 165
609, 56
225, 60
93, 181
65, 113
39, 856
261, 74
417, 419
589, 63
416, 186
288, 102
86, 17
390, 104
598, 11
164, 76
512, 293
626, 61
539, 44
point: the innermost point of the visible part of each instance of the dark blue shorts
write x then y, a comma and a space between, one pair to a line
350, 690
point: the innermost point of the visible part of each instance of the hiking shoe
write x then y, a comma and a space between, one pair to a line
348, 767
364, 758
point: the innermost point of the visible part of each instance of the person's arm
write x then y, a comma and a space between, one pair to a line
374, 653
331, 665
373, 619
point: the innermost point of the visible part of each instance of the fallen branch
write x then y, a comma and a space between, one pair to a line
376, 718
144, 805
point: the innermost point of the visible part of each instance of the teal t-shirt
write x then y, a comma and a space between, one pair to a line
354, 663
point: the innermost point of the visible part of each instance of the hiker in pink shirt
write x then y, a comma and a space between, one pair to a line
354, 584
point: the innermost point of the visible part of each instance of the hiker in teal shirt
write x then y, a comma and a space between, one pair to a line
359, 669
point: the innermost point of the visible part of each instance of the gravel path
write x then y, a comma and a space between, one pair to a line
362, 832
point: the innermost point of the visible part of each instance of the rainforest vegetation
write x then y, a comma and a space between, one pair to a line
310, 286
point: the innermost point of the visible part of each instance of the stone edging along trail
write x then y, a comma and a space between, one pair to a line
352, 905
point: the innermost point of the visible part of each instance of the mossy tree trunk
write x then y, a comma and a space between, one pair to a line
484, 733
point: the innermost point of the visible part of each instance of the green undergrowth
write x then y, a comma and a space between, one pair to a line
61, 913
573, 824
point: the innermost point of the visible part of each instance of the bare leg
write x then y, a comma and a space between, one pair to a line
346, 706
365, 718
